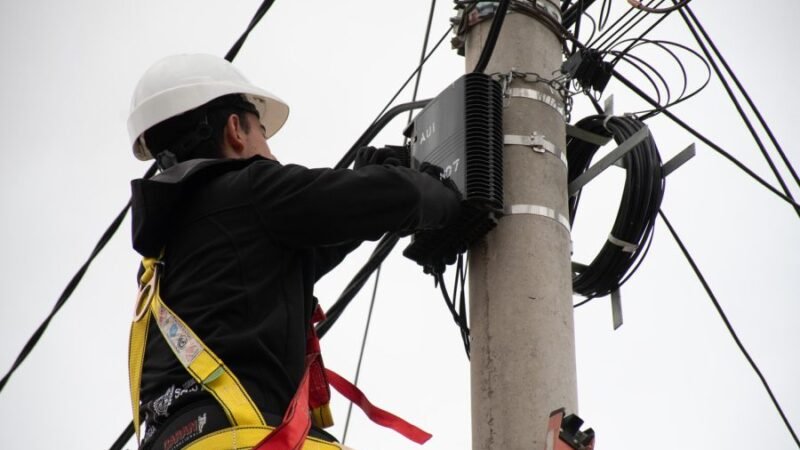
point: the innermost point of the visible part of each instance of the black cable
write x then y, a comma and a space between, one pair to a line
647, 114
641, 197
577, 32
260, 12
491, 38
388, 242
422, 54
637, 63
745, 95
605, 12
572, 14
638, 5
739, 109
728, 325
613, 31
641, 36
705, 140
379, 254
457, 310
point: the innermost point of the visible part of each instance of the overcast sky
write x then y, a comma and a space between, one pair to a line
670, 378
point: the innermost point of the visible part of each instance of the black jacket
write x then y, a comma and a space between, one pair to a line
245, 241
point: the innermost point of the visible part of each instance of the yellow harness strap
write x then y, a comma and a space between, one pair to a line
246, 438
208, 370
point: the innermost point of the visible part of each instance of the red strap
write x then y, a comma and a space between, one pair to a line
375, 414
292, 432
319, 393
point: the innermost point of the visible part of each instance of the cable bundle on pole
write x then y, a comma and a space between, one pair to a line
630, 236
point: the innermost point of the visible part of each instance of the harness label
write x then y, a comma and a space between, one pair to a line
178, 337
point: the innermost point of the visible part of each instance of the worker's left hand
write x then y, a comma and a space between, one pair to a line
390, 155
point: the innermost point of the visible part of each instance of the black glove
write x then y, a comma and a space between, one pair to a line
436, 172
390, 155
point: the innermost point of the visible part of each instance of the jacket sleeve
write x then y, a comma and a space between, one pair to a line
325, 207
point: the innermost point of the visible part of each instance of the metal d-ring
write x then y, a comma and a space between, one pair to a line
145, 297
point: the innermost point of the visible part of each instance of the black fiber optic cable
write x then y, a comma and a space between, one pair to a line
572, 14
728, 325
664, 45
641, 198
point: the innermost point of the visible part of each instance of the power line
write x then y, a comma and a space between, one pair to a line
705, 140
738, 106
746, 96
728, 325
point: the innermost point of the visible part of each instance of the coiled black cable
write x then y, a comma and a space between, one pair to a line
641, 199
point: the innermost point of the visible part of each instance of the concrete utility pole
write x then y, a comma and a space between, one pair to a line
523, 341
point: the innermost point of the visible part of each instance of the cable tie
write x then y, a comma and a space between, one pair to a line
605, 121
627, 247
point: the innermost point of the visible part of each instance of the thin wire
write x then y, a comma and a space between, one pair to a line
361, 353
410, 77
422, 56
728, 325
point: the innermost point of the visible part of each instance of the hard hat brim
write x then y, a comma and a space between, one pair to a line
272, 110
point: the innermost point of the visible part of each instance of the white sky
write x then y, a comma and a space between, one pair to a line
670, 378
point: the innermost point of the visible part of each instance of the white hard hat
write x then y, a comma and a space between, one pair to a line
181, 83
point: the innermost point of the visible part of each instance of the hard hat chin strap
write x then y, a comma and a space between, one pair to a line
169, 156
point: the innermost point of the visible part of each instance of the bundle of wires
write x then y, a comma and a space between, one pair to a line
632, 232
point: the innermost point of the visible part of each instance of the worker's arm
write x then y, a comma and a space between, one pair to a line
324, 207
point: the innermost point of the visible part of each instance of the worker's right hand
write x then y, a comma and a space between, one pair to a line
437, 172
390, 155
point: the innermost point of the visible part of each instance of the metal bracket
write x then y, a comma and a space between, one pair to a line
608, 105
538, 210
538, 143
678, 160
616, 308
604, 163
587, 136
538, 96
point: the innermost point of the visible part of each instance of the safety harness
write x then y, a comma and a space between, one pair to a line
248, 429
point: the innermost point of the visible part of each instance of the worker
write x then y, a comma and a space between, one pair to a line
239, 240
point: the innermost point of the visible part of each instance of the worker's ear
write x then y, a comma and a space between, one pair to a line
234, 134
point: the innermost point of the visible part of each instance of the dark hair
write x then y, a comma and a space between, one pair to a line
198, 133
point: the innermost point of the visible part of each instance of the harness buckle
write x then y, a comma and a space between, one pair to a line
145, 296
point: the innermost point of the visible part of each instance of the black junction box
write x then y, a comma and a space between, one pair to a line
461, 131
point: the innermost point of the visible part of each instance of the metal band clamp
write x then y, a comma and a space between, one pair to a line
538, 210
538, 96
538, 143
